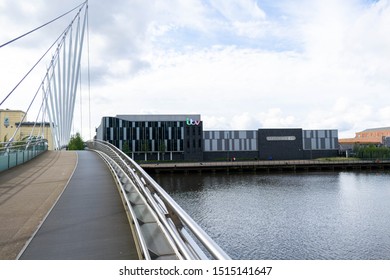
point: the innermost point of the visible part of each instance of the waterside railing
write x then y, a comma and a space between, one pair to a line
162, 229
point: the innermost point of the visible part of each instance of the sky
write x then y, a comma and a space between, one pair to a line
241, 64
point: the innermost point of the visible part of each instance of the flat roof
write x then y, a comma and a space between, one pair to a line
33, 123
157, 118
15, 111
370, 140
376, 129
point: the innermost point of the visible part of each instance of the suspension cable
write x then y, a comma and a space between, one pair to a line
60, 41
43, 25
40, 59
89, 80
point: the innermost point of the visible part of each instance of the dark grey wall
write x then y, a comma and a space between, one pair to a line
193, 142
228, 155
314, 154
277, 147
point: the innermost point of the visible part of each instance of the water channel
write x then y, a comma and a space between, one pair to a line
330, 215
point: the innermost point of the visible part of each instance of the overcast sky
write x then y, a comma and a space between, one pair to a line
241, 64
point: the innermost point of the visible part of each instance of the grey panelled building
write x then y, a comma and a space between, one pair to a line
228, 144
181, 137
318, 143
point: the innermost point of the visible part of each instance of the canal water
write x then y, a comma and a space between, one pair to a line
333, 216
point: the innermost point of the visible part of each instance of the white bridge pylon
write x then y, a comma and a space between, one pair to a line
62, 78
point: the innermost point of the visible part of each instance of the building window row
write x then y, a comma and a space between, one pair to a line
214, 145
146, 146
142, 133
115, 122
230, 134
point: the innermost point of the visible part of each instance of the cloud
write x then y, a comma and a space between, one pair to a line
243, 121
274, 118
245, 18
346, 115
384, 113
211, 122
233, 11
241, 64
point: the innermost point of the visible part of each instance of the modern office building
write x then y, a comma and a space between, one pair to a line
181, 137
155, 137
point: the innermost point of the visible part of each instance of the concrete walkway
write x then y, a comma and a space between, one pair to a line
88, 222
27, 193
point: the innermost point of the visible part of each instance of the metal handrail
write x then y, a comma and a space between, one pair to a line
141, 240
171, 238
10, 146
174, 218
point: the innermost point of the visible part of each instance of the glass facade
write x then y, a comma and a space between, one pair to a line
157, 139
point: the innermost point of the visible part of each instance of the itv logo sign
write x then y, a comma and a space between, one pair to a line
192, 122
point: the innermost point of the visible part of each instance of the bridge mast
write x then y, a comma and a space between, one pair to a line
61, 94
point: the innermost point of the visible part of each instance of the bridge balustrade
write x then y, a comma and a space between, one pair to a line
13, 154
163, 230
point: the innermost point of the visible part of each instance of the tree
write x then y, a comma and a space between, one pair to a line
162, 148
145, 148
126, 148
372, 152
76, 142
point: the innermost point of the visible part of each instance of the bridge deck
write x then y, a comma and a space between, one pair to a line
27, 192
88, 221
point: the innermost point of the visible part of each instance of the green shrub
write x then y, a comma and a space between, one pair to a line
76, 142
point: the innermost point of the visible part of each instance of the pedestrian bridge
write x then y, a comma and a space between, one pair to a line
94, 204
109, 208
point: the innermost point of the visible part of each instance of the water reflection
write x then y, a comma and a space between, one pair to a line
290, 216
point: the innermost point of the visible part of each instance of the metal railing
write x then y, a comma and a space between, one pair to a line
265, 163
179, 235
16, 153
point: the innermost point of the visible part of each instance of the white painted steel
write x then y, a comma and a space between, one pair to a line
171, 216
61, 87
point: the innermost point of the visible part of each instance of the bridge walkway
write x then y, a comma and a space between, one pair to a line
27, 193
88, 221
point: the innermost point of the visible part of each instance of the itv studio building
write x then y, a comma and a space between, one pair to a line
182, 138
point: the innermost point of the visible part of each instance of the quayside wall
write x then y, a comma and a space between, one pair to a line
267, 166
